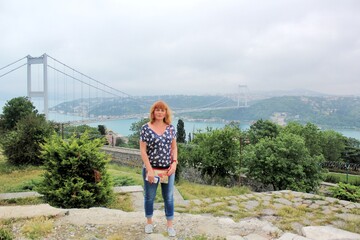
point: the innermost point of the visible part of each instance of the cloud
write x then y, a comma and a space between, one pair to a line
192, 47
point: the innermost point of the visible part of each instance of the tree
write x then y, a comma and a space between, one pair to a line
215, 153
333, 145
262, 129
134, 138
310, 133
284, 162
102, 129
14, 110
181, 134
22, 145
78, 130
352, 151
76, 175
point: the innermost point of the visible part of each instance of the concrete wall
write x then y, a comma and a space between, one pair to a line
124, 156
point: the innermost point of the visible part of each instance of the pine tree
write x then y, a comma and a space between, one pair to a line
75, 174
180, 129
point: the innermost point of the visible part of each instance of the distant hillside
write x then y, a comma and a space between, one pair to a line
341, 112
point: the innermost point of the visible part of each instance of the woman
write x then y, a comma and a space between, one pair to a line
159, 151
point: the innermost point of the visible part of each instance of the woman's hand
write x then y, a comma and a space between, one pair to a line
150, 176
172, 169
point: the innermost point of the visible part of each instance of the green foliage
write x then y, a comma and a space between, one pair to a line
134, 138
189, 138
333, 145
284, 162
14, 110
352, 151
262, 129
92, 132
332, 178
335, 177
102, 129
22, 145
123, 181
180, 164
346, 192
120, 142
5, 234
310, 133
215, 153
180, 132
76, 175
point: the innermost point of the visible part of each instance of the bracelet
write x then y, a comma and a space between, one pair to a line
174, 161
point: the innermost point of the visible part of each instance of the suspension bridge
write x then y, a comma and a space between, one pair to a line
62, 92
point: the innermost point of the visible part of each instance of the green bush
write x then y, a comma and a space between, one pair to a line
345, 191
22, 145
5, 234
76, 175
30, 185
123, 181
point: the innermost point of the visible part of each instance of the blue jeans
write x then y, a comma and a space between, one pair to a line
167, 190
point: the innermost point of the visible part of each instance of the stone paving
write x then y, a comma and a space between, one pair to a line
281, 215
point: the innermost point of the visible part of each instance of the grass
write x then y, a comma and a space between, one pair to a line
342, 177
191, 191
38, 228
122, 202
18, 179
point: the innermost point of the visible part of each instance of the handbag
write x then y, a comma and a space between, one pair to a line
160, 175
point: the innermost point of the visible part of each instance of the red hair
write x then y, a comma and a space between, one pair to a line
161, 105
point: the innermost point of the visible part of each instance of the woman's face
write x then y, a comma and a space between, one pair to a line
159, 113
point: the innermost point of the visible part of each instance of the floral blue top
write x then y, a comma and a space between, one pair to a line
158, 147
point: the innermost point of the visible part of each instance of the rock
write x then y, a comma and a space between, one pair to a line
8, 212
254, 237
234, 238
291, 236
328, 233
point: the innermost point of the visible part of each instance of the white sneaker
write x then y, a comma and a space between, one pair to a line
149, 228
171, 232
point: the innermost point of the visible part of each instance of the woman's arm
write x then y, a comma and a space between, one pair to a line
146, 161
174, 154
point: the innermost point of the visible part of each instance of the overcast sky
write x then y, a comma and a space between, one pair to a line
153, 47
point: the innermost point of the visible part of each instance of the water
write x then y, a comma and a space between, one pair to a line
349, 133
122, 127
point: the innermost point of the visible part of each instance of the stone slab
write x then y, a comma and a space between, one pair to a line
254, 236
328, 233
128, 189
8, 212
292, 236
4, 196
232, 237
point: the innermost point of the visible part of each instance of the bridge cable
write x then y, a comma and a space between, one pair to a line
12, 70
214, 103
83, 82
12, 63
91, 78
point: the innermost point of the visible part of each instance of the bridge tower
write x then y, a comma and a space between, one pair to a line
42, 93
243, 96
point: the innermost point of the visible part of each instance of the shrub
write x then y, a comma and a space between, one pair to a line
5, 234
76, 175
123, 181
345, 191
285, 163
22, 145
